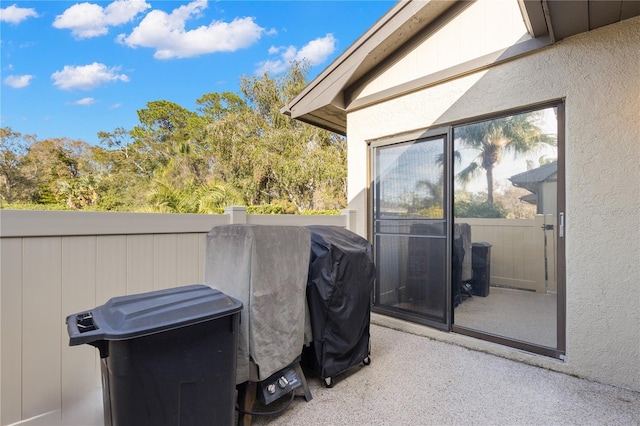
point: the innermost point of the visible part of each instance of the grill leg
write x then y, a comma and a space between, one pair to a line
305, 386
246, 398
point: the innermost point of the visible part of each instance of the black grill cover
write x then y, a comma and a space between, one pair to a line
341, 277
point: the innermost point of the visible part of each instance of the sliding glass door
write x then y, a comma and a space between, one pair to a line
508, 216
468, 225
411, 229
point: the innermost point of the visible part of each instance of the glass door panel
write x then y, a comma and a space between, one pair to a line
505, 232
410, 230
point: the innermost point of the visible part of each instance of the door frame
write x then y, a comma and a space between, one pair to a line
447, 129
414, 136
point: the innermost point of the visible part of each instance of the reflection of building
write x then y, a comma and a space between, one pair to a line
543, 184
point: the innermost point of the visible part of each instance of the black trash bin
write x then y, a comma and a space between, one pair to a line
481, 262
168, 357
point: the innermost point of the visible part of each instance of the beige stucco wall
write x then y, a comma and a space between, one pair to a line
469, 34
597, 73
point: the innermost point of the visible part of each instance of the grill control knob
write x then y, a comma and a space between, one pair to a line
283, 382
271, 388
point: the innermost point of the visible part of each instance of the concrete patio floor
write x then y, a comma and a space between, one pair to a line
415, 380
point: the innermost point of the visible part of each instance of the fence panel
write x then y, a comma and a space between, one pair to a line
190, 258
59, 263
79, 364
520, 258
41, 329
11, 330
111, 267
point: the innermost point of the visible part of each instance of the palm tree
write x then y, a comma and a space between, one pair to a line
518, 134
167, 197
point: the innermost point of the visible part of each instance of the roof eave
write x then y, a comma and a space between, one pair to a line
325, 101
399, 24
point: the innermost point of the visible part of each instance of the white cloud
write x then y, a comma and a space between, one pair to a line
123, 11
315, 52
14, 14
86, 20
116, 105
271, 67
18, 81
86, 77
84, 102
167, 33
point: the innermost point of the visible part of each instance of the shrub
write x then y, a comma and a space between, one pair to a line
479, 209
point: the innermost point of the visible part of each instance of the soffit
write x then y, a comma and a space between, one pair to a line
322, 102
560, 19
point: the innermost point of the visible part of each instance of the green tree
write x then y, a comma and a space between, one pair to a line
169, 136
292, 161
238, 145
517, 134
120, 172
16, 183
168, 143
78, 193
231, 137
58, 165
211, 197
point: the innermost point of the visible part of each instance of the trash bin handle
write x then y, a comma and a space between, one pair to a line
79, 335
72, 325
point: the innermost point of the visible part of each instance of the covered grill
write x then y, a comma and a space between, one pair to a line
264, 267
341, 277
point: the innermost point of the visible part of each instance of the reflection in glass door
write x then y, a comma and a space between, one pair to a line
505, 246
410, 230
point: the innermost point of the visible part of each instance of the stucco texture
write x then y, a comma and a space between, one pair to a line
596, 73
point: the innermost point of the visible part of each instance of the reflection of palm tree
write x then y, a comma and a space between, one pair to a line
519, 134
434, 192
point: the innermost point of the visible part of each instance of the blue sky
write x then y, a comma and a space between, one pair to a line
72, 69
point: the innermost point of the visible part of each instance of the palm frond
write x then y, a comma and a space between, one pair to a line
467, 174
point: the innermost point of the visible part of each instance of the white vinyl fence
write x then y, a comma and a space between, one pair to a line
54, 264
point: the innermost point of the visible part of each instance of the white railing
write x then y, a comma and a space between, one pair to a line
54, 264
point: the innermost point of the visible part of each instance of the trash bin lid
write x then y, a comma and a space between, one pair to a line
138, 315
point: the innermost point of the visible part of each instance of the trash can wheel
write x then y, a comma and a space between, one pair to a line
328, 382
366, 361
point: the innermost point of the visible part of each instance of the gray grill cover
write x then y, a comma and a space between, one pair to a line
266, 268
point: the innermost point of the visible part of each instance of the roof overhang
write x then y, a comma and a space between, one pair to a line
560, 19
323, 102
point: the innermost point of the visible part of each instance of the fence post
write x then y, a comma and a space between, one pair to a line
237, 214
350, 219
